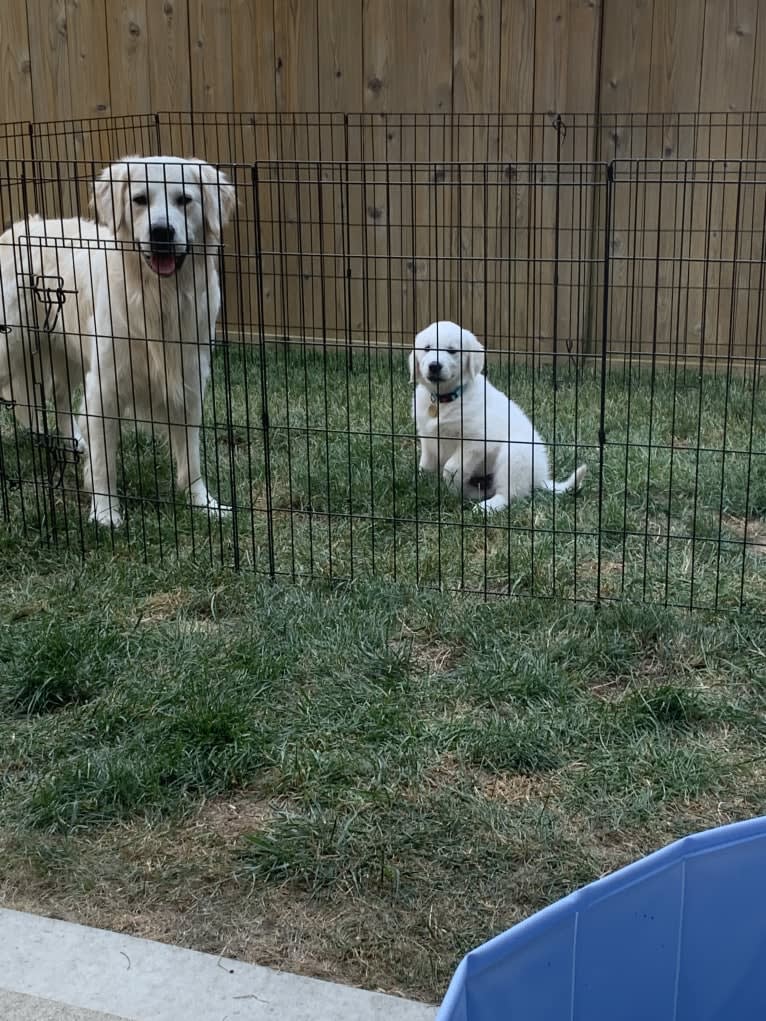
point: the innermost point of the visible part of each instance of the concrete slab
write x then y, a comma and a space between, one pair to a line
93, 970
17, 1007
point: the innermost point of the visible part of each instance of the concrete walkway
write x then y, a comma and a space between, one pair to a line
56, 971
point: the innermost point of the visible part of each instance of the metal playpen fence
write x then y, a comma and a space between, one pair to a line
611, 267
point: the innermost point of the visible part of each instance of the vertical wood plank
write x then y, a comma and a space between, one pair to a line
408, 68
475, 101
728, 62
626, 64
129, 57
88, 58
567, 34
567, 73
15, 64
625, 84
252, 56
476, 56
517, 56
169, 75
675, 74
340, 56
728, 55
49, 58
210, 57
408, 56
297, 55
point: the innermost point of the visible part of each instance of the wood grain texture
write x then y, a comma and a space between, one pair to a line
728, 55
408, 56
88, 58
252, 56
49, 56
567, 34
210, 57
340, 55
129, 57
169, 72
297, 55
15, 64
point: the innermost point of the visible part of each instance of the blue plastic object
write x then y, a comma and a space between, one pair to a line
677, 936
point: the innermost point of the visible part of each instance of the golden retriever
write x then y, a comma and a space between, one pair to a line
138, 333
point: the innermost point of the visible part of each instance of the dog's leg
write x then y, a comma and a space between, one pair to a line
429, 456
100, 411
185, 445
66, 423
465, 464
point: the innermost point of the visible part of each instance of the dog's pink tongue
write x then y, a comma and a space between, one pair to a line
163, 264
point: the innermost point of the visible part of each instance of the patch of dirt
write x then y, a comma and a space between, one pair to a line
751, 530
429, 654
512, 788
161, 606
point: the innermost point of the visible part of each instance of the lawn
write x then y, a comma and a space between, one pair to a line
671, 511
350, 776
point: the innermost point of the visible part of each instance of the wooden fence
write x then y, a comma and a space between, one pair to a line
516, 252
82, 58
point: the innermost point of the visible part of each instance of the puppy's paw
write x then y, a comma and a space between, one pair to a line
204, 501
492, 506
107, 515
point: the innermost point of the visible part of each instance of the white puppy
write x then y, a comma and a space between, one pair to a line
483, 443
155, 312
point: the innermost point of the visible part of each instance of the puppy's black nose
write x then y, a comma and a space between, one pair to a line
162, 237
434, 368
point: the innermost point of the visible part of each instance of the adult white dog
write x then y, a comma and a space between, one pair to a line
45, 344
483, 443
155, 319
144, 301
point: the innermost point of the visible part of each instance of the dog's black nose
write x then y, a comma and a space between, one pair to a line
434, 368
162, 236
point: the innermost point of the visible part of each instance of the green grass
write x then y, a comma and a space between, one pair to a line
354, 777
338, 496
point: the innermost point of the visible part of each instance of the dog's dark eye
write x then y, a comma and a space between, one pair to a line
427, 347
184, 200
451, 350
139, 200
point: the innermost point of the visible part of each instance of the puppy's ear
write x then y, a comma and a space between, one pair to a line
218, 200
473, 355
414, 368
109, 194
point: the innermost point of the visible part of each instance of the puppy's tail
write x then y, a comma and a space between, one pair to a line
572, 483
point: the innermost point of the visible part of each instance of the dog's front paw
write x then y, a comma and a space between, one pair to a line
495, 504
106, 514
202, 500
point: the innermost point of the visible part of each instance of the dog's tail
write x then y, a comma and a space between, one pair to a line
572, 483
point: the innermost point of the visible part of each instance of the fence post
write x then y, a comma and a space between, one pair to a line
560, 128
346, 215
229, 413
604, 354
262, 359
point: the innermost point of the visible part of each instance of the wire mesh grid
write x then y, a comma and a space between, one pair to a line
612, 269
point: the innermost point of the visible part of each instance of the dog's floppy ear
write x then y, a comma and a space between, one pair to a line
218, 200
412, 366
473, 355
109, 190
